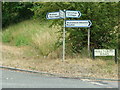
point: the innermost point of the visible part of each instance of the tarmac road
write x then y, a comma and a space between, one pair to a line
14, 79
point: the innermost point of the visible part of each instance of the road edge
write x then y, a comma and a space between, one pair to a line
56, 75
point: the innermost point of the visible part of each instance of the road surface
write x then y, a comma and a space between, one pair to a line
14, 79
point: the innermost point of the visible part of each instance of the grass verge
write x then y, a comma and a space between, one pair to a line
77, 67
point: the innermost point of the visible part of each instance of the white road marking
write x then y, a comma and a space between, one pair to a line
97, 83
85, 80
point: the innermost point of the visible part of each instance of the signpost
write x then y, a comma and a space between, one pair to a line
62, 15
53, 15
88, 42
72, 14
105, 52
78, 23
81, 23
70, 23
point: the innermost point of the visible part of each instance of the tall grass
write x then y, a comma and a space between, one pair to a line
46, 40
40, 37
33, 33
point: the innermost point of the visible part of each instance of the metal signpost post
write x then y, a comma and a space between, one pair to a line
62, 15
64, 40
89, 42
70, 23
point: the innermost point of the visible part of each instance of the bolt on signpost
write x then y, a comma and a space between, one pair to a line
70, 23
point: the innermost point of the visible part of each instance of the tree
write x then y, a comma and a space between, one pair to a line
13, 12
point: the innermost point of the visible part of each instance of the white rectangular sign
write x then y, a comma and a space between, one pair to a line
72, 14
53, 15
78, 23
104, 52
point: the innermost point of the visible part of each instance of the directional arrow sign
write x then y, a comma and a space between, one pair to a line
72, 14
53, 15
78, 23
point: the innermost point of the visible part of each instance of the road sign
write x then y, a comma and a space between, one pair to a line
72, 14
104, 52
78, 23
53, 15
62, 14
70, 23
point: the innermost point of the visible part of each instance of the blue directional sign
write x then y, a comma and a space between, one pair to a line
78, 23
53, 15
72, 14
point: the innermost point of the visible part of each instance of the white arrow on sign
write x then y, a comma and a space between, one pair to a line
78, 23
72, 14
53, 15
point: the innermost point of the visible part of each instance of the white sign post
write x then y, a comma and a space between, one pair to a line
70, 23
88, 42
81, 23
62, 15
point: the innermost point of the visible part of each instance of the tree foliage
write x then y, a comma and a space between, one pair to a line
13, 12
103, 15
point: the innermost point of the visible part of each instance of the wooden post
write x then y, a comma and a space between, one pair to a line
116, 61
93, 54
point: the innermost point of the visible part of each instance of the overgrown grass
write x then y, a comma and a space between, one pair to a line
41, 37
32, 33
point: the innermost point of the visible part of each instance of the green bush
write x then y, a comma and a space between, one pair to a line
6, 37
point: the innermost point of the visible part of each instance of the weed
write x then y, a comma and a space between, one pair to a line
21, 40
6, 37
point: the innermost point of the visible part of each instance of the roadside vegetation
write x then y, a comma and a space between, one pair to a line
31, 42
37, 51
26, 58
34, 34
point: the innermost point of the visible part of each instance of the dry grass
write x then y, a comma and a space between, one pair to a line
45, 41
77, 67
32, 33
